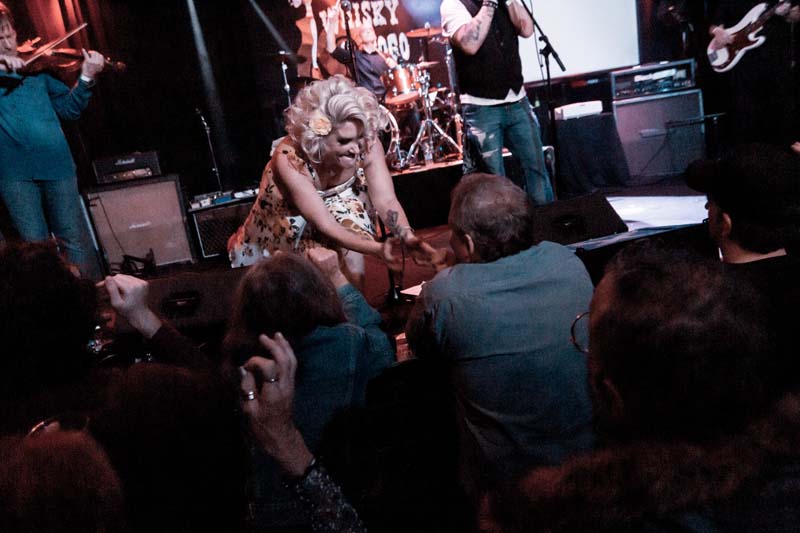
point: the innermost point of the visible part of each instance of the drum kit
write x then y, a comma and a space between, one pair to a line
410, 100
409, 91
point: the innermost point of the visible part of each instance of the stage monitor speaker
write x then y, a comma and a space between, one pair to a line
213, 225
191, 300
661, 134
132, 218
577, 219
694, 238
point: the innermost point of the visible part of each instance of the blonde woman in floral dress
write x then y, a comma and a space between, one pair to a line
322, 182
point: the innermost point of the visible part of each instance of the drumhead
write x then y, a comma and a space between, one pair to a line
402, 85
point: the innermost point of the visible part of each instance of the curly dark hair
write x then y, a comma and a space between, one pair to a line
285, 293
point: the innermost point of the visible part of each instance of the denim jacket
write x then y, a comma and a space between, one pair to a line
334, 365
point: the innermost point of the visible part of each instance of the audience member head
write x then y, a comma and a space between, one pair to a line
678, 350
490, 218
175, 440
322, 107
753, 197
284, 293
58, 482
367, 37
47, 316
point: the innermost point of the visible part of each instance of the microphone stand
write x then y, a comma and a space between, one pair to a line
207, 128
286, 87
546, 52
346, 6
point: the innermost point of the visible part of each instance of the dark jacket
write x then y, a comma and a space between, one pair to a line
744, 482
334, 365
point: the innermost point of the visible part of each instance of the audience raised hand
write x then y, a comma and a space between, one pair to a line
267, 387
128, 297
328, 262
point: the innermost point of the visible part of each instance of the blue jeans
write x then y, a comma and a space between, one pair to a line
40, 207
487, 129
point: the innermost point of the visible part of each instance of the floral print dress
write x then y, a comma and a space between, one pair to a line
275, 224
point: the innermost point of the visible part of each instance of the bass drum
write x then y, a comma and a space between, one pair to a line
390, 140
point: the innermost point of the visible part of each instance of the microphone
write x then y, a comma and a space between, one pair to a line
346, 5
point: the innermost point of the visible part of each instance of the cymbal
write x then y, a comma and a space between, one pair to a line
285, 57
424, 32
427, 64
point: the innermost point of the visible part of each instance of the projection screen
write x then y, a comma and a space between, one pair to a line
589, 35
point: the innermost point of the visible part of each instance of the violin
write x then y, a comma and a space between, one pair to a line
63, 64
64, 60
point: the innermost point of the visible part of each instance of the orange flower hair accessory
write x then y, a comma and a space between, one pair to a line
320, 124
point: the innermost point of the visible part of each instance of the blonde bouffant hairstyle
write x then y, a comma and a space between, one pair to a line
338, 100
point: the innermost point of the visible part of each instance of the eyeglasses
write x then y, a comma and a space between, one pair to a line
61, 422
573, 338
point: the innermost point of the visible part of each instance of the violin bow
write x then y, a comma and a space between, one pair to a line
52, 44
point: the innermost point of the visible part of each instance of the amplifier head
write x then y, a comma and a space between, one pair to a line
127, 167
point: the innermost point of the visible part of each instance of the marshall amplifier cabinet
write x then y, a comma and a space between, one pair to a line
126, 167
141, 218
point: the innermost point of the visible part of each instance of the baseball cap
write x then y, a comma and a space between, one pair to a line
758, 182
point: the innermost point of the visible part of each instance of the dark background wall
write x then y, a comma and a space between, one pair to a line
153, 105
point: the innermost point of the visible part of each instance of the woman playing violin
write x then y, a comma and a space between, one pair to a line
37, 173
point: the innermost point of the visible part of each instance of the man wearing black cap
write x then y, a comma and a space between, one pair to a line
754, 217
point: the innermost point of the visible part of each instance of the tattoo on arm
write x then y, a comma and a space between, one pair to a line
474, 33
391, 222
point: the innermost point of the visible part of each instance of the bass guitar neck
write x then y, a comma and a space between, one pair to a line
745, 36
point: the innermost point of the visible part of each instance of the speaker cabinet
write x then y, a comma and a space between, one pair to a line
134, 217
213, 225
576, 219
660, 134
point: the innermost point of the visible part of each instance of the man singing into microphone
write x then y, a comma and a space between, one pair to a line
495, 107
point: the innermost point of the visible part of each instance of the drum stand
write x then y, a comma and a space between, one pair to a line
395, 157
428, 129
